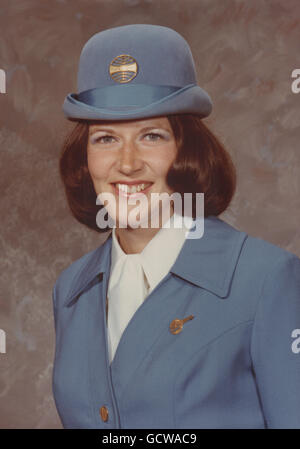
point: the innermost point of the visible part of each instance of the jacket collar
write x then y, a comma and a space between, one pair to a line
208, 262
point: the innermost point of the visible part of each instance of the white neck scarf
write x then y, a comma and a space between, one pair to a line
126, 294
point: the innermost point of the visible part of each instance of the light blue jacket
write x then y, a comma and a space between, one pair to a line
236, 364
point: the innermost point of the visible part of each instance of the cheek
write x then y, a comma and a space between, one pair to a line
163, 160
98, 166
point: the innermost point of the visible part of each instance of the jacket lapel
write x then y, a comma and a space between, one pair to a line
209, 262
98, 263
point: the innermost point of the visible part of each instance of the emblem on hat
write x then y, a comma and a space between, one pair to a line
123, 68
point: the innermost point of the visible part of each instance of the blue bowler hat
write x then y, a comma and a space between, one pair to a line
136, 71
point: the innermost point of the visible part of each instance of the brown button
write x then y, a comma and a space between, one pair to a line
104, 413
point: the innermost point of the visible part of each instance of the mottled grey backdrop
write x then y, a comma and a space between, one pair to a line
245, 52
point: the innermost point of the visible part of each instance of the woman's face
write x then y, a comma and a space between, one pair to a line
125, 158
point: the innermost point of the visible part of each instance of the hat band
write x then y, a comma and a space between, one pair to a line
124, 97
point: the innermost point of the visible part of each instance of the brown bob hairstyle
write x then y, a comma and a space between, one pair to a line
202, 165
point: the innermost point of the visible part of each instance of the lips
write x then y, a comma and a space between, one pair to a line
131, 189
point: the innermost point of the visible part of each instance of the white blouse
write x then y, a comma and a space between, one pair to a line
151, 265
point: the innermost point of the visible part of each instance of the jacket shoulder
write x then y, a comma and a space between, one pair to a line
70, 274
265, 254
260, 257
256, 254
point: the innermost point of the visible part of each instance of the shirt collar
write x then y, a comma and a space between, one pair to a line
167, 242
208, 262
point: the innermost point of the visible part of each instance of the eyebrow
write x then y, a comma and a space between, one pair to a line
110, 130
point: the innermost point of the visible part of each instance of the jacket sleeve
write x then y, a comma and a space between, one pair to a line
275, 345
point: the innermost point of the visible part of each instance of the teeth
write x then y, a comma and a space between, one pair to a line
132, 189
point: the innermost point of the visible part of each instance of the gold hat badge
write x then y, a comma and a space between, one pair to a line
123, 68
177, 324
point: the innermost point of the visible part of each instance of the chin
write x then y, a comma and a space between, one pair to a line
134, 221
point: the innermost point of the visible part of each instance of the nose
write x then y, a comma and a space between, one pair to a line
130, 160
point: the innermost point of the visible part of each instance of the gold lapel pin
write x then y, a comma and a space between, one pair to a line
177, 324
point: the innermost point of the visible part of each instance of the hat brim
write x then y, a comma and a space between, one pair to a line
189, 99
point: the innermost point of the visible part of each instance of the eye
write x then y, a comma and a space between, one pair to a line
152, 137
102, 139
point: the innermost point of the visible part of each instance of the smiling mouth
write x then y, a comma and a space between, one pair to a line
128, 190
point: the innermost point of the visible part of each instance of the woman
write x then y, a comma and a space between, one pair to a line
156, 328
